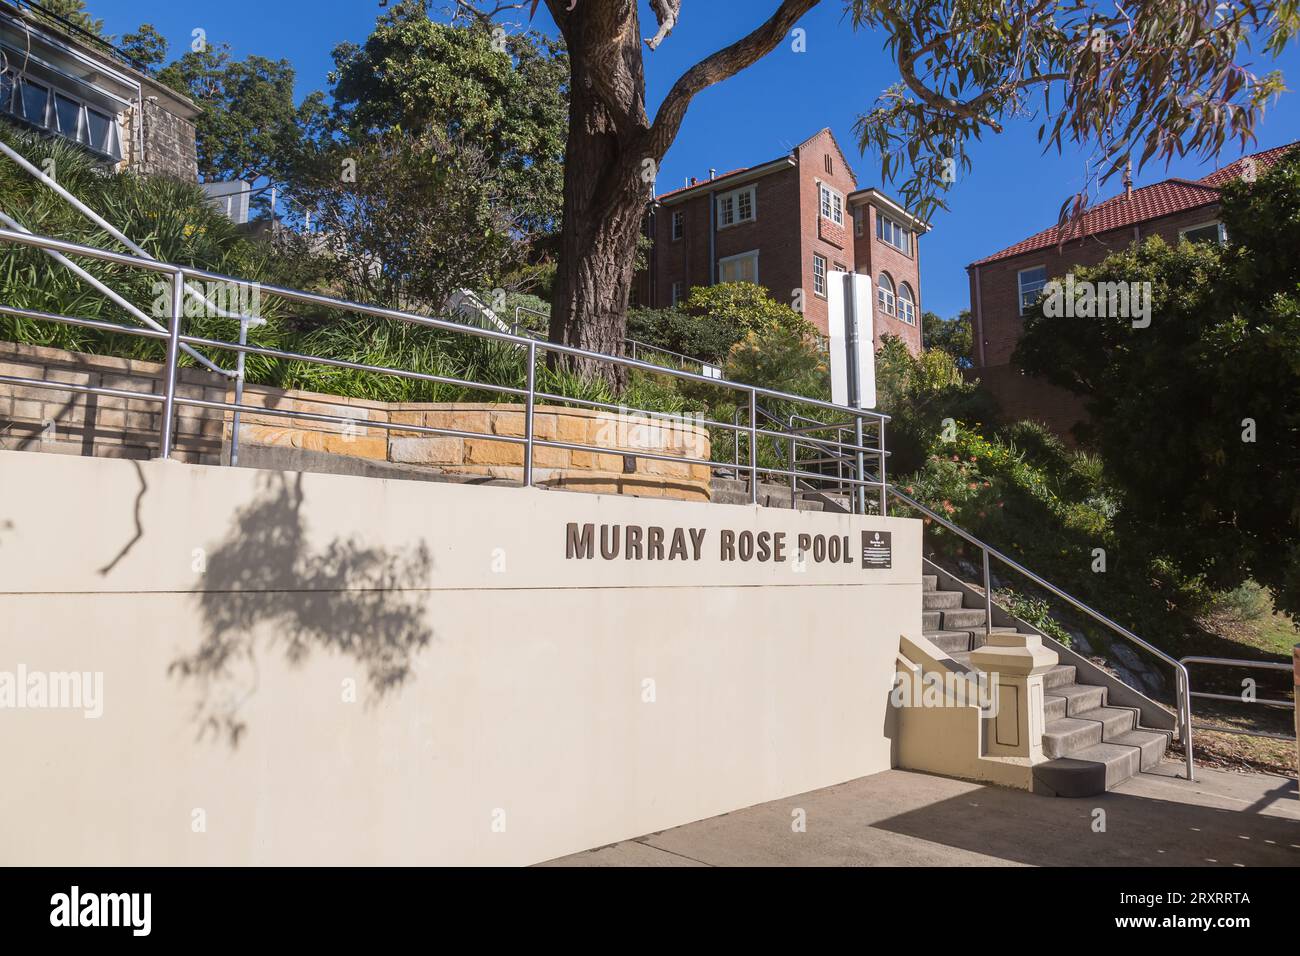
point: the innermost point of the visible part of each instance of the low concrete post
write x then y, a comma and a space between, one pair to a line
1016, 663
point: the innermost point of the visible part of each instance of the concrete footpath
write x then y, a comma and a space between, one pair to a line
900, 818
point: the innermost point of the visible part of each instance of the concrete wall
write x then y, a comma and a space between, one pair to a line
501, 708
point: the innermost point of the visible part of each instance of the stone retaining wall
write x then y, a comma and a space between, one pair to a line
106, 426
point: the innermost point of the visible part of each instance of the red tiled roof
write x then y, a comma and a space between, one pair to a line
1144, 204
745, 169
706, 182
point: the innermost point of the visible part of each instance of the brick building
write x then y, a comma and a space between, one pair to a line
1006, 283
785, 224
58, 79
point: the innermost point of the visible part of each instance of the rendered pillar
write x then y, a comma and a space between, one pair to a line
1015, 664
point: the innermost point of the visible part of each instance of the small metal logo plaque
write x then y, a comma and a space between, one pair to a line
877, 550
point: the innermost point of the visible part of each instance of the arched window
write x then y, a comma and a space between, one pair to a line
885, 294
906, 304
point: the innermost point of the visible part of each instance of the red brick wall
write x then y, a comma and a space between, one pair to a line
872, 257
788, 232
833, 242
995, 307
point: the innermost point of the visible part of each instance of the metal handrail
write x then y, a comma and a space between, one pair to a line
1236, 662
628, 342
987, 550
177, 341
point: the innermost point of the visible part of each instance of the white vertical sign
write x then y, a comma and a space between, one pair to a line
849, 300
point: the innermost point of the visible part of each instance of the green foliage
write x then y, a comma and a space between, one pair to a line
416, 220
1196, 416
74, 11
505, 95
927, 397
249, 126
713, 319
146, 46
1036, 611
953, 336
780, 358
1148, 79
172, 220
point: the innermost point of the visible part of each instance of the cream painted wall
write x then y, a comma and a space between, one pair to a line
515, 677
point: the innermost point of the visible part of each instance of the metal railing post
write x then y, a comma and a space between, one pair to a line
860, 492
988, 598
883, 480
239, 392
528, 414
173, 350
753, 447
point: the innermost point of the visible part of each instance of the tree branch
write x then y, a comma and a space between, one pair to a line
720, 66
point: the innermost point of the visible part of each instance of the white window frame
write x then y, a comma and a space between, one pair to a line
830, 203
886, 228
819, 281
1223, 232
739, 257
887, 298
677, 228
1020, 286
729, 212
51, 120
906, 306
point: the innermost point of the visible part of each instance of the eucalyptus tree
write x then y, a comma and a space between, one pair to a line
1155, 78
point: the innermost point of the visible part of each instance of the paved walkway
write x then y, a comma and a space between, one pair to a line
900, 818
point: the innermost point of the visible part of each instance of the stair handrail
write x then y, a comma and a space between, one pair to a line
987, 550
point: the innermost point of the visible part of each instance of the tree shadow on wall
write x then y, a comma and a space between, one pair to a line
265, 584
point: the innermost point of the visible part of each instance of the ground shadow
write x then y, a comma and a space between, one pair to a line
264, 584
1110, 829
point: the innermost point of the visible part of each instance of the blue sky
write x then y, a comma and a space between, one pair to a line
1013, 190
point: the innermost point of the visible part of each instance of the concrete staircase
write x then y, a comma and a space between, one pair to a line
1093, 746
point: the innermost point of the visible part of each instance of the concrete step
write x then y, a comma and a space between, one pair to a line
949, 641
1066, 736
931, 621
1152, 743
940, 600
1059, 675
1080, 698
960, 619
929, 582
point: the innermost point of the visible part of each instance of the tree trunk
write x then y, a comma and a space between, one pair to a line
613, 155
605, 194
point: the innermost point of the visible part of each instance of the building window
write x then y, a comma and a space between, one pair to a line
737, 206
830, 167
1031, 285
892, 233
679, 290
1207, 232
832, 204
679, 224
56, 112
859, 215
819, 274
741, 268
906, 304
885, 294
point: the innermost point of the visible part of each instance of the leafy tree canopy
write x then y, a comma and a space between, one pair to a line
501, 93
249, 127
953, 336
1197, 416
